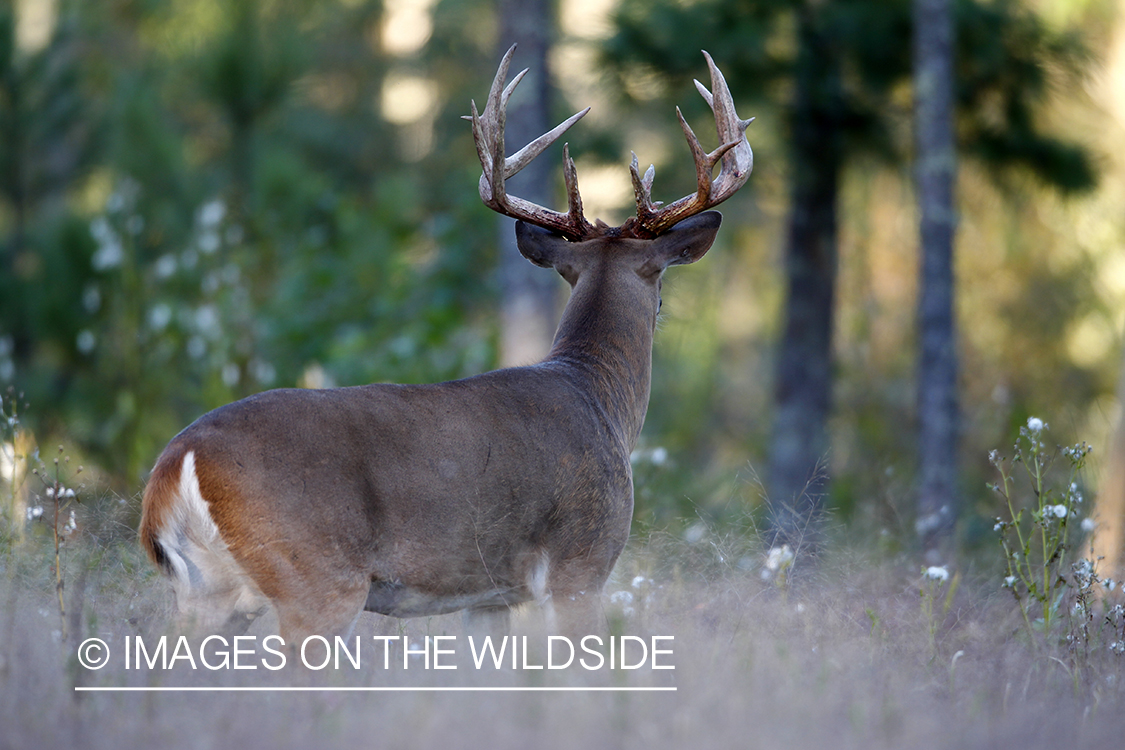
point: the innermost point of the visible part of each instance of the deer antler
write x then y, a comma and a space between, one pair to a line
652, 217
488, 132
737, 163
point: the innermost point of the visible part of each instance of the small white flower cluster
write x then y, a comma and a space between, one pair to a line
1074, 494
626, 598
779, 557
63, 492
778, 561
70, 526
1078, 451
111, 251
1033, 431
657, 456
34, 511
937, 573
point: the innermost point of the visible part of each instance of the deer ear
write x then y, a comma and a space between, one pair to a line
687, 241
541, 246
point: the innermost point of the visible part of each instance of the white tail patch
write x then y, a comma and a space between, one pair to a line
209, 583
188, 524
537, 579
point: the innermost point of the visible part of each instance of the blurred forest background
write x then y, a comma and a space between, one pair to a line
201, 199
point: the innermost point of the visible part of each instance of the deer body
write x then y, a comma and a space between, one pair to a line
476, 494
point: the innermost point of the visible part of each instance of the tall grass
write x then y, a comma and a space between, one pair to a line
843, 655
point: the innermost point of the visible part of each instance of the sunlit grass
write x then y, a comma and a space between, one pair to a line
846, 655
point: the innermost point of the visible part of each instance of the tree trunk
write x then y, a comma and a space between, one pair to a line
804, 366
935, 173
529, 307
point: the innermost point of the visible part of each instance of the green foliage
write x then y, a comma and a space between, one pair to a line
237, 215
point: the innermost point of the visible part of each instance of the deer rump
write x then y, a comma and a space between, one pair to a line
480, 493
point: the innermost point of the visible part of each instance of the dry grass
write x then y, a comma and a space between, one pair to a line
842, 660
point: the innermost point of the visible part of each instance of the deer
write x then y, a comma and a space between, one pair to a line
473, 495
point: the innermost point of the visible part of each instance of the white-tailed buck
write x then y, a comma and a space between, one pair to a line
477, 494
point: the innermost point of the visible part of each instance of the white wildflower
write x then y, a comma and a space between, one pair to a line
1089, 524
165, 266
779, 557
937, 573
159, 316
230, 374
196, 347
694, 534
110, 252
1035, 424
1059, 510
209, 242
1009, 581
86, 341
639, 581
264, 372
621, 597
211, 213
34, 512
207, 321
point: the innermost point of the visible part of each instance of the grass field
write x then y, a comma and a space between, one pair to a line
846, 655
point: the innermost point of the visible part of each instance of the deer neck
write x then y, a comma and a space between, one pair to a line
604, 341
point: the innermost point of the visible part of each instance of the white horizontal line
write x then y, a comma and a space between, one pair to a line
236, 689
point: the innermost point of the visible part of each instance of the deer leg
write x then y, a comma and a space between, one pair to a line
579, 614
571, 599
213, 596
484, 621
331, 613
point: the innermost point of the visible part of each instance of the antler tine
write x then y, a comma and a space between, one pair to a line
738, 161
734, 152
488, 134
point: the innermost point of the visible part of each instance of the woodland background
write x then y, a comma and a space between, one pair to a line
201, 199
